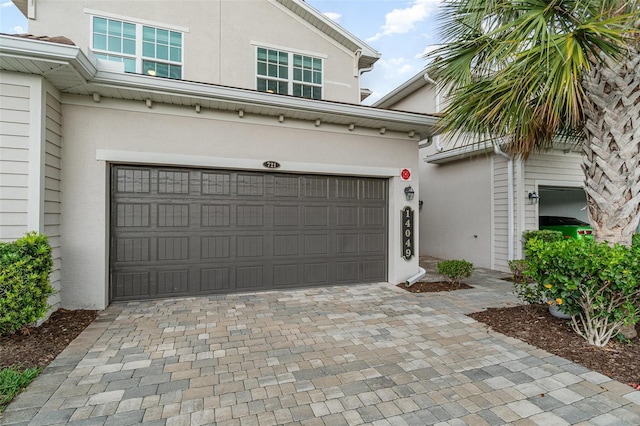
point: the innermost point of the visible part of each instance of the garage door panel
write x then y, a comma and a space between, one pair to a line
188, 231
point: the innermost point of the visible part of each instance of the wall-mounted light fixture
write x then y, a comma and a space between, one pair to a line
534, 198
409, 193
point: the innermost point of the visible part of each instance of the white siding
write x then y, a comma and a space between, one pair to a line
14, 159
500, 214
52, 179
554, 168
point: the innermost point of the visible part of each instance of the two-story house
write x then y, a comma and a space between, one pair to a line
189, 148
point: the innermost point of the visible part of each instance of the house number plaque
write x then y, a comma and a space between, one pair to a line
271, 164
407, 232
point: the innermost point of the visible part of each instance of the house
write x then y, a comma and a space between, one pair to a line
201, 148
476, 201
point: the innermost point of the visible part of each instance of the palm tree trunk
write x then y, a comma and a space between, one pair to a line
611, 160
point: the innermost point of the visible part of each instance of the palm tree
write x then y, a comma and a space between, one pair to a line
530, 71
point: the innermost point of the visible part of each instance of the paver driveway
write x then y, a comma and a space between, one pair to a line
371, 354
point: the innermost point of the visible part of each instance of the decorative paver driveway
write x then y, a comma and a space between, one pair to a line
347, 355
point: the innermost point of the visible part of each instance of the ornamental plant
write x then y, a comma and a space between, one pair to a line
524, 288
25, 266
454, 270
596, 284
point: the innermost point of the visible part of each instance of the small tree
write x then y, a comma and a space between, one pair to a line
454, 270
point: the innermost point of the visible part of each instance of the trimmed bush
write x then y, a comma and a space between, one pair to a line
546, 235
596, 284
25, 266
524, 288
454, 270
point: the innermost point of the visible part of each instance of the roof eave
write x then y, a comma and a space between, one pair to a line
416, 82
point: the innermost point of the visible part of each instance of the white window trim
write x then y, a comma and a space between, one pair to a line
138, 57
288, 49
164, 26
290, 81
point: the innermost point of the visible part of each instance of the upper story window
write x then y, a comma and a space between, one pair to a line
289, 73
143, 49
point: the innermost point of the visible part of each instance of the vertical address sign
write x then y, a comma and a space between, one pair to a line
407, 232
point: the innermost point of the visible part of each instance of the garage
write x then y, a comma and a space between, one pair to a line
563, 201
181, 231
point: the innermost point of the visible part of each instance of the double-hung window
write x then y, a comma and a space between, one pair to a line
142, 48
289, 73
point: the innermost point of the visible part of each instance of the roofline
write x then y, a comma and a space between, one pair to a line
465, 151
416, 82
89, 71
367, 51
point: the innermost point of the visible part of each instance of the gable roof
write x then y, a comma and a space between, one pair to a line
73, 72
416, 82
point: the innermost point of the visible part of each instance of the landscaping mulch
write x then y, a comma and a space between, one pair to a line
40, 345
433, 287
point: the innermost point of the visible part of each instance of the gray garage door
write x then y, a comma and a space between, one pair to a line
177, 232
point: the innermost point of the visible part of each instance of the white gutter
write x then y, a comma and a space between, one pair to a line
510, 212
413, 279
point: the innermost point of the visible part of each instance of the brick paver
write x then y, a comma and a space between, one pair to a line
344, 355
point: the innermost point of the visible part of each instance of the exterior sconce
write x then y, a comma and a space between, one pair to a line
409, 193
534, 198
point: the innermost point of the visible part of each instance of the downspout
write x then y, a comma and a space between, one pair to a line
412, 280
510, 211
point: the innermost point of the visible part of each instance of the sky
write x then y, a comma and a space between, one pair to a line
401, 31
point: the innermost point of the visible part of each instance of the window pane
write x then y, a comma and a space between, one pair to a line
262, 54
162, 36
297, 60
307, 62
262, 85
148, 66
273, 70
162, 70
176, 54
129, 65
129, 46
297, 74
317, 64
99, 25
114, 44
162, 51
316, 93
262, 68
306, 91
176, 39
99, 41
271, 86
175, 71
306, 76
129, 30
148, 50
284, 58
149, 34
283, 88
317, 77
284, 72
273, 56
115, 28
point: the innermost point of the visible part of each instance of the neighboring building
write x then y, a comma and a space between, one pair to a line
157, 147
476, 200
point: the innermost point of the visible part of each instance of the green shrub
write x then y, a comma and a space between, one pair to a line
25, 266
546, 235
635, 240
596, 284
524, 287
13, 381
454, 270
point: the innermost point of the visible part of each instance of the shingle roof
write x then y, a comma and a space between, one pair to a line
48, 39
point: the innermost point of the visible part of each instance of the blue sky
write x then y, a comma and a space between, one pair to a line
400, 30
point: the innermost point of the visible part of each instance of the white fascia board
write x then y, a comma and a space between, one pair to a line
366, 49
266, 100
48, 52
405, 89
459, 152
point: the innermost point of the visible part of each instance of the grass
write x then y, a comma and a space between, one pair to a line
12, 381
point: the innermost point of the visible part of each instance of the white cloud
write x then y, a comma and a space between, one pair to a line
401, 21
6, 4
334, 16
18, 30
427, 50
